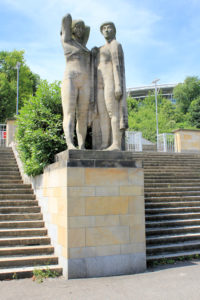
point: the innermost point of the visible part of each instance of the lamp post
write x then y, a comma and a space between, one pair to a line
155, 82
17, 67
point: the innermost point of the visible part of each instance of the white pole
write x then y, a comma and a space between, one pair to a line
17, 67
155, 82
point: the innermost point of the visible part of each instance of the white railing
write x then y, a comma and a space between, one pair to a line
2, 135
165, 142
133, 141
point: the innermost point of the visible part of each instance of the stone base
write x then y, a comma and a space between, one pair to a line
111, 265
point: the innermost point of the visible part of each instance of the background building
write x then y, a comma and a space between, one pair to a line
141, 92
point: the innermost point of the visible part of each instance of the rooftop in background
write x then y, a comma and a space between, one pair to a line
141, 92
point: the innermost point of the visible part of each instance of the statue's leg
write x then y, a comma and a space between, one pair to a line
104, 119
112, 106
82, 113
69, 96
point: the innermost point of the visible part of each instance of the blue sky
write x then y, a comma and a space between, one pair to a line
160, 38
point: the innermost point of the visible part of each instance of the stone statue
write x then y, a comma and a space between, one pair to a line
111, 89
75, 88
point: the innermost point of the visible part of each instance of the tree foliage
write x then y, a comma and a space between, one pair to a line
40, 133
28, 82
186, 92
142, 116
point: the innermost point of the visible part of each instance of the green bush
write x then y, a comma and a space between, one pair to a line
40, 133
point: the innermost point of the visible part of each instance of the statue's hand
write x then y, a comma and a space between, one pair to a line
118, 93
94, 50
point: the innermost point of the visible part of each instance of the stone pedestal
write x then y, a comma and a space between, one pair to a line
94, 211
10, 131
187, 140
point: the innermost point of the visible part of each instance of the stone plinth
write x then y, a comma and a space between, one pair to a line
10, 131
187, 140
93, 203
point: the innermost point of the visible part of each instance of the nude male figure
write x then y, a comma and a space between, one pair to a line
75, 88
111, 90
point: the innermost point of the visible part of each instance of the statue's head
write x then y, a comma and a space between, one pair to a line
78, 29
108, 30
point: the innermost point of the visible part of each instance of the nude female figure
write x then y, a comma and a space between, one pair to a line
75, 88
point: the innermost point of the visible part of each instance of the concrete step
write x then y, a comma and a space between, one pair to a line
175, 210
20, 217
17, 196
4, 178
181, 246
22, 232
169, 185
169, 174
33, 260
171, 193
9, 186
24, 241
21, 210
170, 223
173, 216
25, 203
9, 168
150, 190
26, 250
21, 224
174, 181
151, 258
166, 205
169, 229
27, 272
171, 199
11, 181
16, 173
173, 238
16, 191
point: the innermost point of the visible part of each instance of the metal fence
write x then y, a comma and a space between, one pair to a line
133, 141
2, 135
165, 142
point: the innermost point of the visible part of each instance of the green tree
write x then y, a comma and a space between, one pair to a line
40, 133
194, 112
28, 82
142, 116
186, 92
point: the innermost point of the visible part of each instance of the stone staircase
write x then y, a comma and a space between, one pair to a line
172, 205
24, 243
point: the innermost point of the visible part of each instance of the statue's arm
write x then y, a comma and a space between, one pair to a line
117, 56
86, 35
66, 28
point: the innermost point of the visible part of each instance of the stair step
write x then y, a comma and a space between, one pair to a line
21, 209
173, 238
167, 189
27, 272
173, 216
175, 193
28, 250
17, 196
176, 255
19, 217
181, 246
33, 260
15, 186
169, 204
15, 191
175, 210
24, 241
174, 223
158, 231
22, 224
171, 181
169, 198
15, 203
22, 232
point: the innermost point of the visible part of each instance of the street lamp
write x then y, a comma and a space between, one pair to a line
17, 67
155, 82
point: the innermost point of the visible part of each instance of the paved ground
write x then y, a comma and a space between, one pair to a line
172, 282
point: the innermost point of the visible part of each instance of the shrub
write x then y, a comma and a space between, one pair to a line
40, 133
